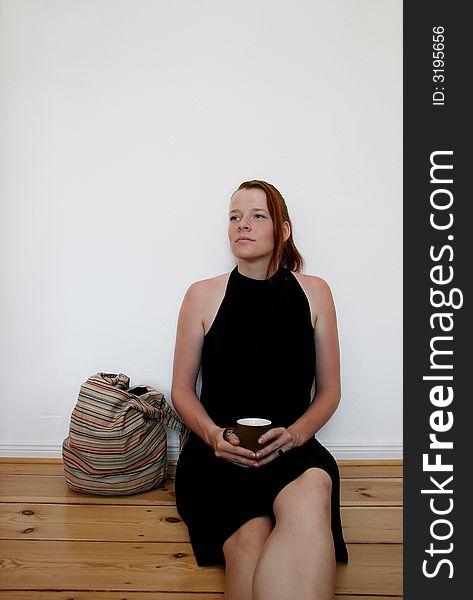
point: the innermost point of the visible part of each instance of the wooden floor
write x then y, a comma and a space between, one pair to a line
59, 545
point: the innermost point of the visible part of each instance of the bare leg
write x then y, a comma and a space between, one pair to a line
298, 560
242, 551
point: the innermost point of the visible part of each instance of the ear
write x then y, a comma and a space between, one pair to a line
286, 231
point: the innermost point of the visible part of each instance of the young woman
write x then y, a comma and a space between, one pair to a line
265, 337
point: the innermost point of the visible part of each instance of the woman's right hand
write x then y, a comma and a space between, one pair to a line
228, 448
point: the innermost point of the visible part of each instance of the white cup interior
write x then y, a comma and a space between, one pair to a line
252, 422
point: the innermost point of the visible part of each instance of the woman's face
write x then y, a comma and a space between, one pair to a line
250, 227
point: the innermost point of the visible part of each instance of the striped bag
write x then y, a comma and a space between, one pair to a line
117, 441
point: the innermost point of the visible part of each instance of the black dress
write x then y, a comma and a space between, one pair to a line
258, 360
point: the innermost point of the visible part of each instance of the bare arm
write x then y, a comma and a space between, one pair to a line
327, 393
187, 358
327, 377
187, 354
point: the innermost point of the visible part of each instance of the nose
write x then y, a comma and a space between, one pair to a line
243, 225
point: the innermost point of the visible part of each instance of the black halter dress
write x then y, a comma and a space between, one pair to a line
258, 360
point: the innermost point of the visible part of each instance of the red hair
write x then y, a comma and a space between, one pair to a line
285, 253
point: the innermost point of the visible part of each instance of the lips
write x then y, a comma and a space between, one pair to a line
244, 239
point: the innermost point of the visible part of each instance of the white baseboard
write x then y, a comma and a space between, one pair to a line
340, 451
365, 451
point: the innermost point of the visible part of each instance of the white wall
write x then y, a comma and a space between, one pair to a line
125, 127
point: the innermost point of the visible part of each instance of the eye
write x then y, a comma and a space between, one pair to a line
234, 218
260, 216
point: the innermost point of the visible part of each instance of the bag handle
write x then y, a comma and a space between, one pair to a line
153, 404
119, 380
147, 400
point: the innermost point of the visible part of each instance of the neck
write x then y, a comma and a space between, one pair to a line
254, 269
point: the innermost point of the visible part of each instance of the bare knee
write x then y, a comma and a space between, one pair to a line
310, 493
249, 538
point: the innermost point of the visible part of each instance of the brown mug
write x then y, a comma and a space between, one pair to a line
249, 431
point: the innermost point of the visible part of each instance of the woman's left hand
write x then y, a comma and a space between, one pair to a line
279, 440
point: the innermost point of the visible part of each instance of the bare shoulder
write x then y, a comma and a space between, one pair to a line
205, 289
204, 297
313, 285
318, 293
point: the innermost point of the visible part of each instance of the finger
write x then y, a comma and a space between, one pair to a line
278, 452
274, 439
240, 459
271, 435
227, 433
233, 439
279, 446
237, 452
230, 436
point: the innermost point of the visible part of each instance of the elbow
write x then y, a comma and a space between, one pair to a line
333, 396
179, 394
176, 397
333, 401
337, 396
336, 401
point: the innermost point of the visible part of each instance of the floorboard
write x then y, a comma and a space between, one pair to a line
53, 489
367, 524
165, 566
60, 545
348, 469
81, 595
